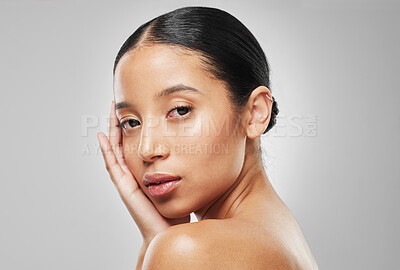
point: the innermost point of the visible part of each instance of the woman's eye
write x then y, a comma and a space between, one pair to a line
179, 111
128, 124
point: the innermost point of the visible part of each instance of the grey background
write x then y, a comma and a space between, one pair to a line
336, 62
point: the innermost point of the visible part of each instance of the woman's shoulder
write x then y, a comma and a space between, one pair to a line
217, 244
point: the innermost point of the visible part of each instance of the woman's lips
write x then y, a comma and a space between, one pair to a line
164, 188
160, 184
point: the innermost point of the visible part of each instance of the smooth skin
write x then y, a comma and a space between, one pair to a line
243, 224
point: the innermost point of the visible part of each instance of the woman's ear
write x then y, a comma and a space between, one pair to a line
258, 111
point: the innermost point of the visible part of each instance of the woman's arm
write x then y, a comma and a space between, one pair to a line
212, 245
146, 216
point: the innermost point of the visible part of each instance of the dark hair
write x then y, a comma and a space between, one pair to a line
231, 53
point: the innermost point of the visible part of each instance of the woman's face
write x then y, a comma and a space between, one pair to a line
198, 142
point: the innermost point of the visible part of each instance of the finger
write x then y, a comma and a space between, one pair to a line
123, 180
111, 162
114, 131
115, 137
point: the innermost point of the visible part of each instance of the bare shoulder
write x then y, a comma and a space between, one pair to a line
216, 244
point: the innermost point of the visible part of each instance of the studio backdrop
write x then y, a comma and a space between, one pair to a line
333, 156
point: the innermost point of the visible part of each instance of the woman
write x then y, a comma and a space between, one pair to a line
191, 100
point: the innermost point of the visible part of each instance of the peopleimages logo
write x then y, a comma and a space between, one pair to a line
184, 129
172, 127
295, 125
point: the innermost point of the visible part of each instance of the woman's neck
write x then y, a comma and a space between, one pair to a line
252, 181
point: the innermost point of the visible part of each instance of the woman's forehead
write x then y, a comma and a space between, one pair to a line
157, 58
158, 67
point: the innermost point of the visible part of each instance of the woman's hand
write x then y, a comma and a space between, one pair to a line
145, 214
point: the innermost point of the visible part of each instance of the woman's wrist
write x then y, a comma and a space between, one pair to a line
142, 253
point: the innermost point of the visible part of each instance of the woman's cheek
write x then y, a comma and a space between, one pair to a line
217, 160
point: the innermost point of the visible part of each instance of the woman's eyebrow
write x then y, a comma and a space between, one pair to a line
163, 93
177, 88
122, 105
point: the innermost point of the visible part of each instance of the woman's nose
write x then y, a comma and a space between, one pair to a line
152, 144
